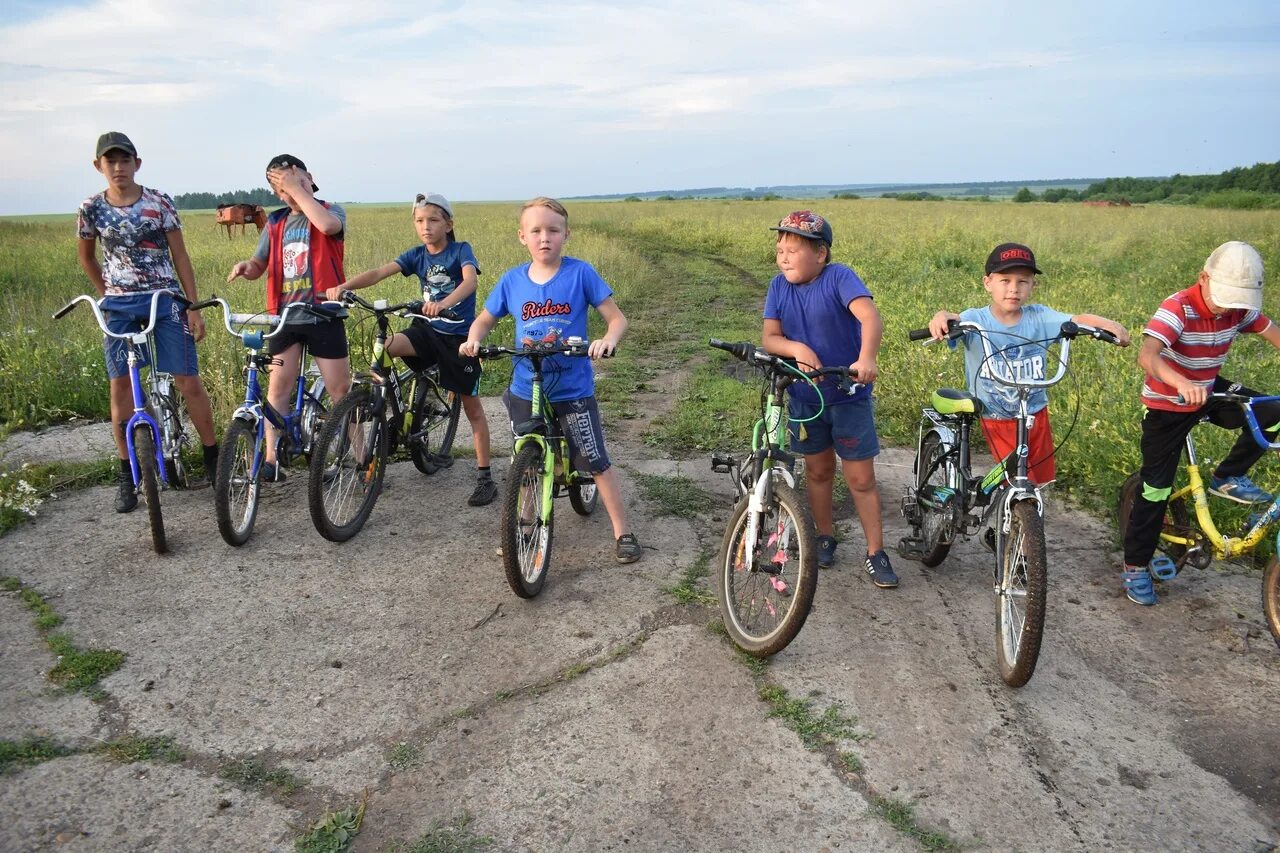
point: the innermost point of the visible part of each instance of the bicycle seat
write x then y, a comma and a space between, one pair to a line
949, 401
533, 426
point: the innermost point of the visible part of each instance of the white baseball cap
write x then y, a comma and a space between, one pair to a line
423, 199
1235, 276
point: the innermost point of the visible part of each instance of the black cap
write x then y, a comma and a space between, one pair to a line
284, 161
1006, 256
114, 139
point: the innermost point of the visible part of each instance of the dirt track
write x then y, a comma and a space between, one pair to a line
604, 715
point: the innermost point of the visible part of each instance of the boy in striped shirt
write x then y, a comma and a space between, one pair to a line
1183, 348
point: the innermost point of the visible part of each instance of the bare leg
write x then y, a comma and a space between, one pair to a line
121, 411
479, 429
611, 494
819, 477
199, 407
280, 385
861, 476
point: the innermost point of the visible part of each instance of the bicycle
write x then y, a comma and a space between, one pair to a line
947, 500
154, 447
541, 469
768, 563
240, 459
384, 409
1198, 542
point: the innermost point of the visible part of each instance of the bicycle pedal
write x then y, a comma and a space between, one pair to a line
911, 548
722, 463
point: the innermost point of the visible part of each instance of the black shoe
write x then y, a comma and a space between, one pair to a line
485, 492
882, 574
628, 548
126, 494
271, 472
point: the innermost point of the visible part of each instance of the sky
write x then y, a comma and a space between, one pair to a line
507, 99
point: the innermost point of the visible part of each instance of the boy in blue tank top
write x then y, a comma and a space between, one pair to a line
549, 298
820, 313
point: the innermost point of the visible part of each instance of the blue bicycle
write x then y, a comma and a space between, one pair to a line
149, 446
238, 478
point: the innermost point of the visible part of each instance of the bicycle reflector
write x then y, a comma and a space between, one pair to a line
252, 340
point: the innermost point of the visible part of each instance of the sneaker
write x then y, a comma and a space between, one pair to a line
881, 572
989, 539
126, 494
826, 551
486, 490
1239, 489
628, 548
270, 472
1138, 586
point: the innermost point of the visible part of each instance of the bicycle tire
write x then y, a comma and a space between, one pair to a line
172, 435
526, 545
583, 498
434, 424
1177, 519
316, 403
347, 466
1022, 587
761, 618
1271, 596
235, 498
144, 448
933, 523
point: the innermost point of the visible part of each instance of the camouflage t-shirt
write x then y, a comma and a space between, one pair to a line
135, 248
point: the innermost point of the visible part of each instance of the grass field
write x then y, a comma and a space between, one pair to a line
684, 271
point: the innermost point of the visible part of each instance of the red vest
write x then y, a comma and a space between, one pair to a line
325, 260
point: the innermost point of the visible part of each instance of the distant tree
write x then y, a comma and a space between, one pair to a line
1024, 195
665, 197
846, 194
201, 201
633, 198
770, 197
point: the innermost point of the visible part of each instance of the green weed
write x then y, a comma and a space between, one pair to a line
687, 590
404, 755
901, 816
16, 754
334, 832
77, 669
815, 730
447, 836
134, 748
252, 775
677, 496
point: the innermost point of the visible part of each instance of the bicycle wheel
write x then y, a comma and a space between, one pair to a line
1271, 596
1177, 519
144, 447
1022, 586
168, 407
347, 466
526, 531
433, 425
766, 587
315, 408
235, 498
583, 497
936, 527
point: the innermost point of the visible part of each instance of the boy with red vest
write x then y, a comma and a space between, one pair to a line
301, 252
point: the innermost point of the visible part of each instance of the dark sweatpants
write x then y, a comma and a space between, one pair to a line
1163, 434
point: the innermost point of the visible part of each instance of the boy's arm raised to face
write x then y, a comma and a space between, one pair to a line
86, 253
296, 183
775, 342
864, 309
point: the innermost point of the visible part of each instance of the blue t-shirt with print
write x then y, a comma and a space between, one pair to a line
554, 311
440, 274
817, 314
1018, 355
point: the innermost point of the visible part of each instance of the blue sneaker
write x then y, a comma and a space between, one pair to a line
881, 571
1239, 489
1138, 586
826, 551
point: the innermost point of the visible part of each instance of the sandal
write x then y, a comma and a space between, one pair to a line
1163, 569
1138, 587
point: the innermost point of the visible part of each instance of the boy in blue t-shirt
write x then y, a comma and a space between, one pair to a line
447, 270
820, 313
1020, 326
549, 298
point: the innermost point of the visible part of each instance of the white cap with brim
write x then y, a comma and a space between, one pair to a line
1235, 276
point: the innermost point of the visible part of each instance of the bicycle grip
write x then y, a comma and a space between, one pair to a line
206, 303
919, 335
65, 309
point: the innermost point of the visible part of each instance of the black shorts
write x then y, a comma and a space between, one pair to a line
580, 423
458, 373
327, 339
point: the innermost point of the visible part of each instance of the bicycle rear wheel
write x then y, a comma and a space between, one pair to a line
433, 426
168, 409
1177, 519
1022, 583
766, 586
235, 498
315, 408
526, 530
347, 466
1271, 596
936, 525
583, 497
144, 448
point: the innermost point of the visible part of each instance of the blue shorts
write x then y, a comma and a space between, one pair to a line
580, 422
176, 348
848, 427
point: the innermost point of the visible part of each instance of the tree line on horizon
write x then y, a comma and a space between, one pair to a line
204, 201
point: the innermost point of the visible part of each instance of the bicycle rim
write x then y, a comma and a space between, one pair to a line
1020, 595
526, 533
236, 498
1271, 597
766, 587
347, 467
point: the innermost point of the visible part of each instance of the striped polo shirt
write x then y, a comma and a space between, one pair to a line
1196, 342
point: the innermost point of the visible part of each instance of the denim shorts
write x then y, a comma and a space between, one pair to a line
176, 348
848, 427
580, 422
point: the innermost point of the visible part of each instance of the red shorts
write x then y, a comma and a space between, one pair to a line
1002, 438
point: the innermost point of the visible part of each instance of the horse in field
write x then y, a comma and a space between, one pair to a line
231, 215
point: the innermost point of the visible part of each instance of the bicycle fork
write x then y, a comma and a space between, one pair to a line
140, 414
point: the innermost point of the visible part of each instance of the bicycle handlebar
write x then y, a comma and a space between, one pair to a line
752, 354
575, 347
96, 305
414, 307
1246, 403
276, 322
1069, 331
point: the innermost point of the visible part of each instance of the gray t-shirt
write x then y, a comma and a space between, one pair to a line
296, 257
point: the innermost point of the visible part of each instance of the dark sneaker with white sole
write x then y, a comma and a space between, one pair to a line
485, 492
826, 552
881, 570
126, 494
628, 548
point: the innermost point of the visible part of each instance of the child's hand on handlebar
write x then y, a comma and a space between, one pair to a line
864, 371
601, 348
469, 348
334, 294
431, 308
938, 324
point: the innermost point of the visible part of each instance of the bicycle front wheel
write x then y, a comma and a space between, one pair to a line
932, 481
235, 498
433, 425
766, 586
144, 448
526, 528
1271, 596
1022, 586
347, 466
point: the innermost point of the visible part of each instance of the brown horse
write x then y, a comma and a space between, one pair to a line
231, 215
